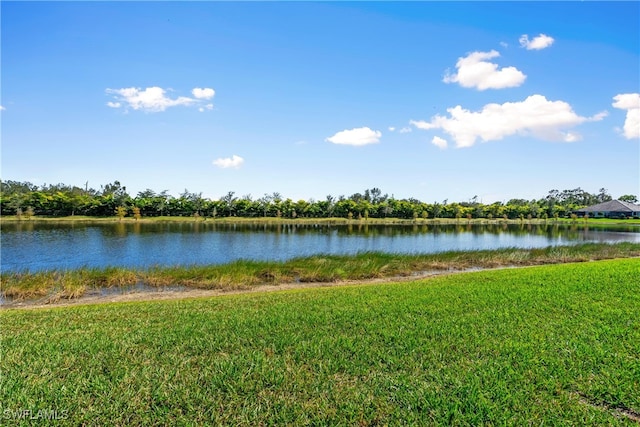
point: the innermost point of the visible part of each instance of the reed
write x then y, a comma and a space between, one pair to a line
245, 274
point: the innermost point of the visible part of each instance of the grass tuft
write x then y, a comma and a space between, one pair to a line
245, 274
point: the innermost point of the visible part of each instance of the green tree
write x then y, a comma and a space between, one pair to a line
227, 205
603, 196
436, 209
244, 207
287, 208
301, 208
264, 203
16, 202
629, 198
121, 212
29, 212
118, 191
387, 209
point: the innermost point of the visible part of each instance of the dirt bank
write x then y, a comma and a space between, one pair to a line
101, 296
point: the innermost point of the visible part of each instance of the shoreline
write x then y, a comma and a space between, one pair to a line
55, 287
97, 296
323, 221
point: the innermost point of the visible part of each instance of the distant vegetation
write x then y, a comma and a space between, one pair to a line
25, 199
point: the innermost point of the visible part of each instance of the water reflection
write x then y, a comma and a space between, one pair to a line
35, 245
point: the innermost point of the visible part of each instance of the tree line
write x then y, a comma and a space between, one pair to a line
57, 200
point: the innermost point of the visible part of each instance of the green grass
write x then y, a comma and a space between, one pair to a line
553, 345
595, 222
243, 274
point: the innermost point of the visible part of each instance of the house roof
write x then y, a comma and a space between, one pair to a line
612, 206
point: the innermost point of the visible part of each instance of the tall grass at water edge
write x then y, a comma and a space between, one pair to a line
244, 274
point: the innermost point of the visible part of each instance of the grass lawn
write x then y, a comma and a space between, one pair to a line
555, 345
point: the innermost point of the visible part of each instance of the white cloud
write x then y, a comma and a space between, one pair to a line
203, 93
540, 42
631, 103
155, 99
439, 142
597, 117
2, 108
627, 101
476, 71
536, 116
405, 129
356, 137
229, 162
150, 99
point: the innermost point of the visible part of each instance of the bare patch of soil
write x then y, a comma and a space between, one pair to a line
170, 293
605, 406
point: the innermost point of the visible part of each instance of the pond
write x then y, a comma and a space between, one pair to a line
39, 245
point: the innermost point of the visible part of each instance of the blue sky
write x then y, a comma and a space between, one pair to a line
432, 100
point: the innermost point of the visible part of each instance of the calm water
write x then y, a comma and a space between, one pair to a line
44, 246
